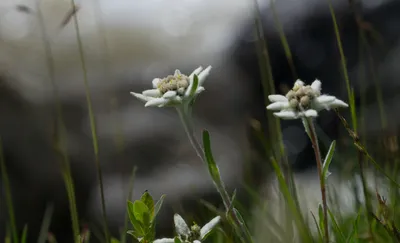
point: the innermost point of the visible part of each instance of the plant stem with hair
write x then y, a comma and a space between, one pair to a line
310, 128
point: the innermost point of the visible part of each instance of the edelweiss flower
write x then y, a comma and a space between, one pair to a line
303, 101
195, 234
174, 89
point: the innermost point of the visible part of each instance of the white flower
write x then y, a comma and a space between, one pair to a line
195, 234
303, 101
175, 89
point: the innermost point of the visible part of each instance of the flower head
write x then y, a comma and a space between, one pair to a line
303, 101
174, 89
194, 234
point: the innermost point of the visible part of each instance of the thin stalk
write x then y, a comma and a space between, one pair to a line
7, 189
314, 140
267, 81
92, 121
187, 124
350, 93
61, 131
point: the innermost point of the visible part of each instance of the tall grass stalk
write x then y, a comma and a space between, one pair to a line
274, 125
351, 98
350, 92
92, 120
60, 131
46, 223
284, 41
8, 195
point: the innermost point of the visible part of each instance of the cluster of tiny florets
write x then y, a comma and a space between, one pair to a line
300, 97
194, 232
178, 83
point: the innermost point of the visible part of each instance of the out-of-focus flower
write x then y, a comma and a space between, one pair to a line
303, 101
174, 90
195, 234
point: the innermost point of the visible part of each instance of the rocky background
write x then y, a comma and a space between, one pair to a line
128, 43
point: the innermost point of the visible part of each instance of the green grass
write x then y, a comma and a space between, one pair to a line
375, 219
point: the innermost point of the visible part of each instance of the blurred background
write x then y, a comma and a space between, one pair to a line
125, 44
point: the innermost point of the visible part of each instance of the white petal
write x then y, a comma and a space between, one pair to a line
196, 71
325, 99
338, 103
177, 72
155, 82
280, 105
152, 93
141, 97
298, 83
310, 113
275, 98
287, 115
156, 102
164, 240
169, 94
209, 226
181, 226
316, 85
199, 90
203, 75
196, 241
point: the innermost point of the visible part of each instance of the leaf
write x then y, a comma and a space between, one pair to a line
212, 166
157, 207
195, 85
141, 212
318, 228
354, 232
177, 240
328, 160
147, 199
113, 240
321, 219
134, 234
137, 225
338, 232
243, 224
24, 234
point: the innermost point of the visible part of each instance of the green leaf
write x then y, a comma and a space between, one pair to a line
195, 85
177, 240
354, 232
321, 219
151, 234
24, 234
328, 160
157, 207
141, 212
147, 199
113, 240
338, 232
134, 234
137, 225
212, 166
318, 228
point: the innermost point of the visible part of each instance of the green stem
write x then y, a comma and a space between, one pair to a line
188, 126
314, 140
92, 120
7, 189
